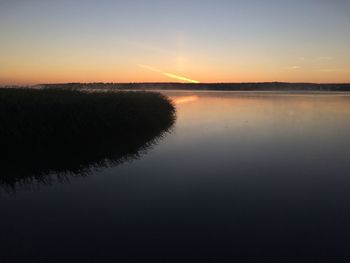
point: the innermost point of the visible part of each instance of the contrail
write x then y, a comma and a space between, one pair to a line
149, 68
169, 75
180, 78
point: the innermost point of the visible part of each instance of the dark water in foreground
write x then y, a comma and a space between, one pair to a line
241, 178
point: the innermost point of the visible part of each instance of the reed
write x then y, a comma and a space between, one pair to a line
55, 130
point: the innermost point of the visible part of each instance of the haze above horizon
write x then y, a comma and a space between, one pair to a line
174, 41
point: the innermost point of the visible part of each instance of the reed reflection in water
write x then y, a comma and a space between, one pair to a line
61, 166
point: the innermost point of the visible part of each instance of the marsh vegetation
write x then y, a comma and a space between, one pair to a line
68, 131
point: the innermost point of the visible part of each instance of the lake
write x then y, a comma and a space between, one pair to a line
241, 177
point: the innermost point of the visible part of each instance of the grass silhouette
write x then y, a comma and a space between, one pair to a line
69, 131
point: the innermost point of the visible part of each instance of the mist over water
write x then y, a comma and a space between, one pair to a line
242, 176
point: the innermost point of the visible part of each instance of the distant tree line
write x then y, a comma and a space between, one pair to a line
253, 86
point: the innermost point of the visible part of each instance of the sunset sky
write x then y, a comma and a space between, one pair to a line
45, 41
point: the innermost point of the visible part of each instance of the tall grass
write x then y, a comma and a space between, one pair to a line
52, 130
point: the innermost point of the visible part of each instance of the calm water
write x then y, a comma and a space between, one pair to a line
246, 177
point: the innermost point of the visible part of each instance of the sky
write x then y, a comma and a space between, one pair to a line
46, 41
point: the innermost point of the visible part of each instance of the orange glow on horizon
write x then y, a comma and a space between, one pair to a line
95, 71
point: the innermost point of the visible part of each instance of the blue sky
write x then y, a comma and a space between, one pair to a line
208, 41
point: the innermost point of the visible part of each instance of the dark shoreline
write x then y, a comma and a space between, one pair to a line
71, 132
258, 86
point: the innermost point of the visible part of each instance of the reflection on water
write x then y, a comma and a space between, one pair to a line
242, 178
184, 99
59, 165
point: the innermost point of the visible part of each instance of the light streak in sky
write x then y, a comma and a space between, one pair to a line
169, 75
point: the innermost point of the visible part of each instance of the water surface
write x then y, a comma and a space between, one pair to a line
245, 177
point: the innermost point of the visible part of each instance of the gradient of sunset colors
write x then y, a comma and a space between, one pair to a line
45, 41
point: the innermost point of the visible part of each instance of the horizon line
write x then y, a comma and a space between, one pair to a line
179, 83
